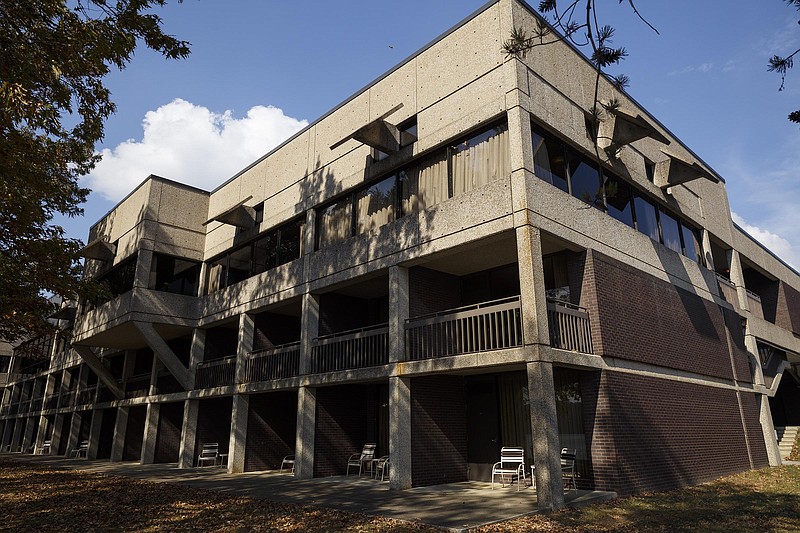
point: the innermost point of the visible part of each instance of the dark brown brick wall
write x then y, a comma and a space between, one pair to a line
431, 291
106, 440
755, 435
134, 434
642, 318
651, 434
787, 314
168, 438
271, 429
272, 329
739, 353
438, 430
341, 428
214, 423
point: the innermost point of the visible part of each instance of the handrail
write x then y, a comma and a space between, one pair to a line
281, 348
753, 295
350, 334
465, 308
272, 363
569, 326
723, 279
216, 362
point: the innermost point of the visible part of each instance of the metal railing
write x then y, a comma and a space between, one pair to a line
357, 348
51, 401
569, 327
138, 386
67, 398
273, 363
86, 395
36, 404
217, 373
24, 407
493, 325
754, 303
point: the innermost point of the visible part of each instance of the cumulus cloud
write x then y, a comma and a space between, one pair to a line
777, 244
191, 144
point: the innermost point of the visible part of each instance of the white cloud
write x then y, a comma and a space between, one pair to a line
703, 68
191, 144
777, 244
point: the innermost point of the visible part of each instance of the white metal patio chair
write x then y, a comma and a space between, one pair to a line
81, 451
44, 449
361, 459
511, 463
288, 462
568, 460
381, 466
208, 453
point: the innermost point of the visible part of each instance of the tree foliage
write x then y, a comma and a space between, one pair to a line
781, 64
54, 55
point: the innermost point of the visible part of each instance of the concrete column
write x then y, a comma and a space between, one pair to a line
154, 375
16, 437
399, 433
144, 260
520, 136
8, 429
398, 312
238, 440
707, 255
150, 434
546, 447
203, 281
306, 428
28, 437
768, 430
737, 277
197, 350
127, 366
94, 433
74, 431
531, 282
309, 330
58, 434
309, 232
120, 428
244, 345
41, 433
191, 408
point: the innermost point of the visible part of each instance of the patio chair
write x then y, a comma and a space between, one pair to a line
360, 459
568, 468
288, 461
81, 450
381, 466
44, 449
511, 463
208, 453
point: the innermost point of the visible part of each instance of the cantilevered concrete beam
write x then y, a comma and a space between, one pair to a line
165, 354
621, 129
674, 171
238, 215
103, 373
377, 134
99, 249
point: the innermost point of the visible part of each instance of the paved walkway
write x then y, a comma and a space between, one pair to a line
455, 506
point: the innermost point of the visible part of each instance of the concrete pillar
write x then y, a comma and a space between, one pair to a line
16, 437
737, 277
238, 440
244, 345
707, 255
8, 429
531, 286
150, 434
197, 350
768, 430
399, 433
191, 408
74, 431
309, 232
306, 428
128, 366
544, 425
58, 434
28, 437
154, 375
144, 260
42, 433
398, 312
120, 428
94, 433
309, 330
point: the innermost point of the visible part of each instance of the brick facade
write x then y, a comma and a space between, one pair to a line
431, 291
787, 314
341, 428
438, 430
271, 428
214, 423
134, 434
654, 434
106, 440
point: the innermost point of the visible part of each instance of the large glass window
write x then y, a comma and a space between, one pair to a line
424, 183
334, 223
480, 159
265, 253
291, 242
691, 243
646, 220
619, 200
585, 181
670, 231
175, 275
239, 265
549, 163
375, 206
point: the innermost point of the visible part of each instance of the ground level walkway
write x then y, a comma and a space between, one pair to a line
455, 506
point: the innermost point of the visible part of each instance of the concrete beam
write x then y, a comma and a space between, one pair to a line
103, 373
165, 354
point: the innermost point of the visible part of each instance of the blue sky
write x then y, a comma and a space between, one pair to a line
260, 70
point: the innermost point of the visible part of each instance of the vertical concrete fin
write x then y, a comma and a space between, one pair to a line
103, 373
165, 354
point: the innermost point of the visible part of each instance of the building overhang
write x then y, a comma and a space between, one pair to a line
238, 215
99, 249
674, 171
378, 134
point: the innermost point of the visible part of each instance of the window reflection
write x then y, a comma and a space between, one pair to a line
646, 220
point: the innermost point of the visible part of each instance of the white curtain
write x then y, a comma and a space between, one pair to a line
334, 223
477, 164
375, 206
425, 184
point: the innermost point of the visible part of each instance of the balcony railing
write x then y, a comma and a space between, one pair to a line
51, 401
217, 373
36, 404
273, 363
358, 348
87, 395
754, 303
138, 386
569, 327
67, 398
493, 325
5, 409
24, 407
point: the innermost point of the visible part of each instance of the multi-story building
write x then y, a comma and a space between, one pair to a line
442, 265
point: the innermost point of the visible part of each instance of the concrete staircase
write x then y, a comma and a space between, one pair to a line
786, 438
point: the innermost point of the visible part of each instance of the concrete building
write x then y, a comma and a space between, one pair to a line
439, 266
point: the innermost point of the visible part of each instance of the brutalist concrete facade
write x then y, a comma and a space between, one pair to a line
439, 266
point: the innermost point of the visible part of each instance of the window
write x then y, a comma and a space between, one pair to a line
291, 242
334, 223
646, 220
670, 232
549, 161
265, 253
175, 275
424, 183
619, 200
691, 243
585, 181
375, 206
480, 159
650, 170
408, 131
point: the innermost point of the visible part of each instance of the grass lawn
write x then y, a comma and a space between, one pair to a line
35, 497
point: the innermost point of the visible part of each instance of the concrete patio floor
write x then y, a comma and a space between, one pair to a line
455, 506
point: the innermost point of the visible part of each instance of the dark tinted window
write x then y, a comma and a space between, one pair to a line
670, 232
265, 253
619, 200
291, 236
549, 163
175, 275
646, 221
691, 244
585, 181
